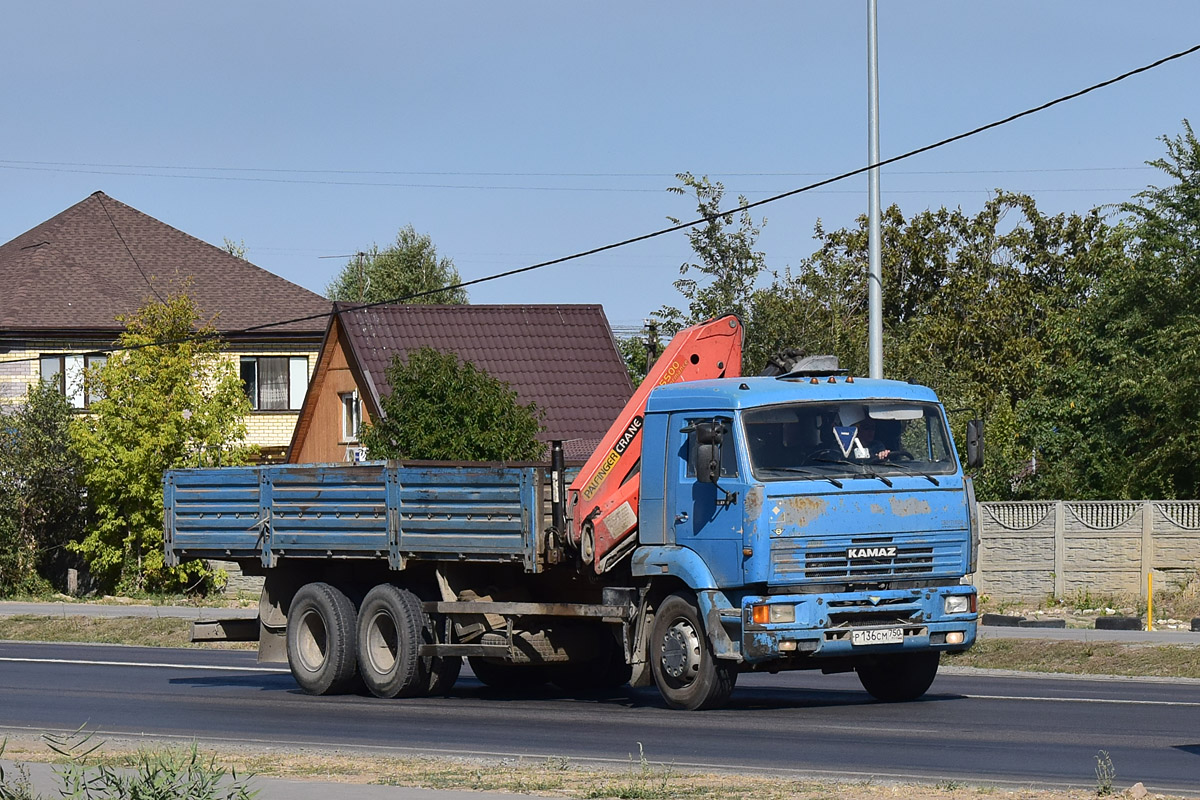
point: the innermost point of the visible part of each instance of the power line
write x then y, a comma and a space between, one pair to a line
685, 225
117, 230
11, 163
516, 188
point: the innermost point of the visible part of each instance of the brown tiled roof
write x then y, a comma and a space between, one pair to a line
563, 358
74, 273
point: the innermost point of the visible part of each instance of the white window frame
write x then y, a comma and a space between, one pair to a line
351, 416
69, 376
297, 384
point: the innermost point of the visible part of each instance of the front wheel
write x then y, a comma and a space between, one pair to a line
321, 640
687, 674
901, 677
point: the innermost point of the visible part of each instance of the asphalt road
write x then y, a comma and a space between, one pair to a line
982, 728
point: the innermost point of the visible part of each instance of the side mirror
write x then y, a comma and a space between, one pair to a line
709, 436
974, 444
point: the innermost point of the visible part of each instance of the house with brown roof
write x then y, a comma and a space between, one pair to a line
65, 282
561, 357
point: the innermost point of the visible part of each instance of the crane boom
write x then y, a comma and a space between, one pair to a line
604, 495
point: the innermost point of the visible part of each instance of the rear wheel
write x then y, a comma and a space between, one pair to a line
900, 677
440, 672
444, 674
687, 674
321, 639
389, 635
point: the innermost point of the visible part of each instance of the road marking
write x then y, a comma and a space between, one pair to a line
1103, 700
207, 667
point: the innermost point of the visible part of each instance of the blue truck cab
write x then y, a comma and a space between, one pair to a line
821, 523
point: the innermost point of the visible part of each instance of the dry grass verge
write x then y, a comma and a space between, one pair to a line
1082, 658
140, 631
640, 779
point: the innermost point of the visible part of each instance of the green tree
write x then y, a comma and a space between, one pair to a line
41, 492
446, 410
236, 249
168, 398
727, 262
633, 353
972, 304
1121, 417
410, 266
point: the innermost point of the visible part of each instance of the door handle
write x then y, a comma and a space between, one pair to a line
681, 518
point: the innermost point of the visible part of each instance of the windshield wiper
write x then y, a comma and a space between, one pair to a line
911, 471
807, 471
863, 467
886, 481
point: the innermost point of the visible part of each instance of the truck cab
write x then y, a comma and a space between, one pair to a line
820, 521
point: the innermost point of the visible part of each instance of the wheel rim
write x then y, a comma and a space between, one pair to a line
681, 651
382, 643
313, 641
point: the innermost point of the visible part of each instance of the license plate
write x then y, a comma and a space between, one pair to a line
877, 636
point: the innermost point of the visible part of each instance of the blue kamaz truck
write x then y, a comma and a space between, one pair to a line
807, 520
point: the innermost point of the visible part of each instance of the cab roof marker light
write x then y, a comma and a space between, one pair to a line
849, 379
832, 379
814, 380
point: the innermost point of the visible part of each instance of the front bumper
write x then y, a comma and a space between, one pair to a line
824, 626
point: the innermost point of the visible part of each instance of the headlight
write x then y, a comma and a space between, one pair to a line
764, 613
958, 604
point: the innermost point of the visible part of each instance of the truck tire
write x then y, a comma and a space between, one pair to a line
444, 675
686, 672
607, 670
899, 678
440, 673
389, 635
507, 677
321, 640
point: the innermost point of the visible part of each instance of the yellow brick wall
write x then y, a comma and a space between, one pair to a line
20, 368
16, 374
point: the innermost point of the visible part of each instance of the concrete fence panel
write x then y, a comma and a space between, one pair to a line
1033, 550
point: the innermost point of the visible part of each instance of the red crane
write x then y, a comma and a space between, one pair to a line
603, 498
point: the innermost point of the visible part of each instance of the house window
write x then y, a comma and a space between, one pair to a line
351, 416
275, 383
67, 373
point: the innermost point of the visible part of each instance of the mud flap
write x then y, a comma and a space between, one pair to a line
720, 618
639, 630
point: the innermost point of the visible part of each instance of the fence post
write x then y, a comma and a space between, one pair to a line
1060, 550
1147, 543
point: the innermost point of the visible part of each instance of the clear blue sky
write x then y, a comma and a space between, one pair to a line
517, 132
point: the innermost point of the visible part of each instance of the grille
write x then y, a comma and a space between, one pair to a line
860, 618
930, 555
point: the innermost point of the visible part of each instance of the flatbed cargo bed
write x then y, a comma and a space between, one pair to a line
398, 511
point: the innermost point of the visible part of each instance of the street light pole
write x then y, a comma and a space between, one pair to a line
874, 250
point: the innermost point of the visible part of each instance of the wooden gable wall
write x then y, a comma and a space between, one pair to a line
318, 437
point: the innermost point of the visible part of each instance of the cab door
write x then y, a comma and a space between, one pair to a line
706, 517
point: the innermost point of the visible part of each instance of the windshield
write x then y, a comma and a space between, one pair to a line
824, 441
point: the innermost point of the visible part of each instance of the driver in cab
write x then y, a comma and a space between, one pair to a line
866, 446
